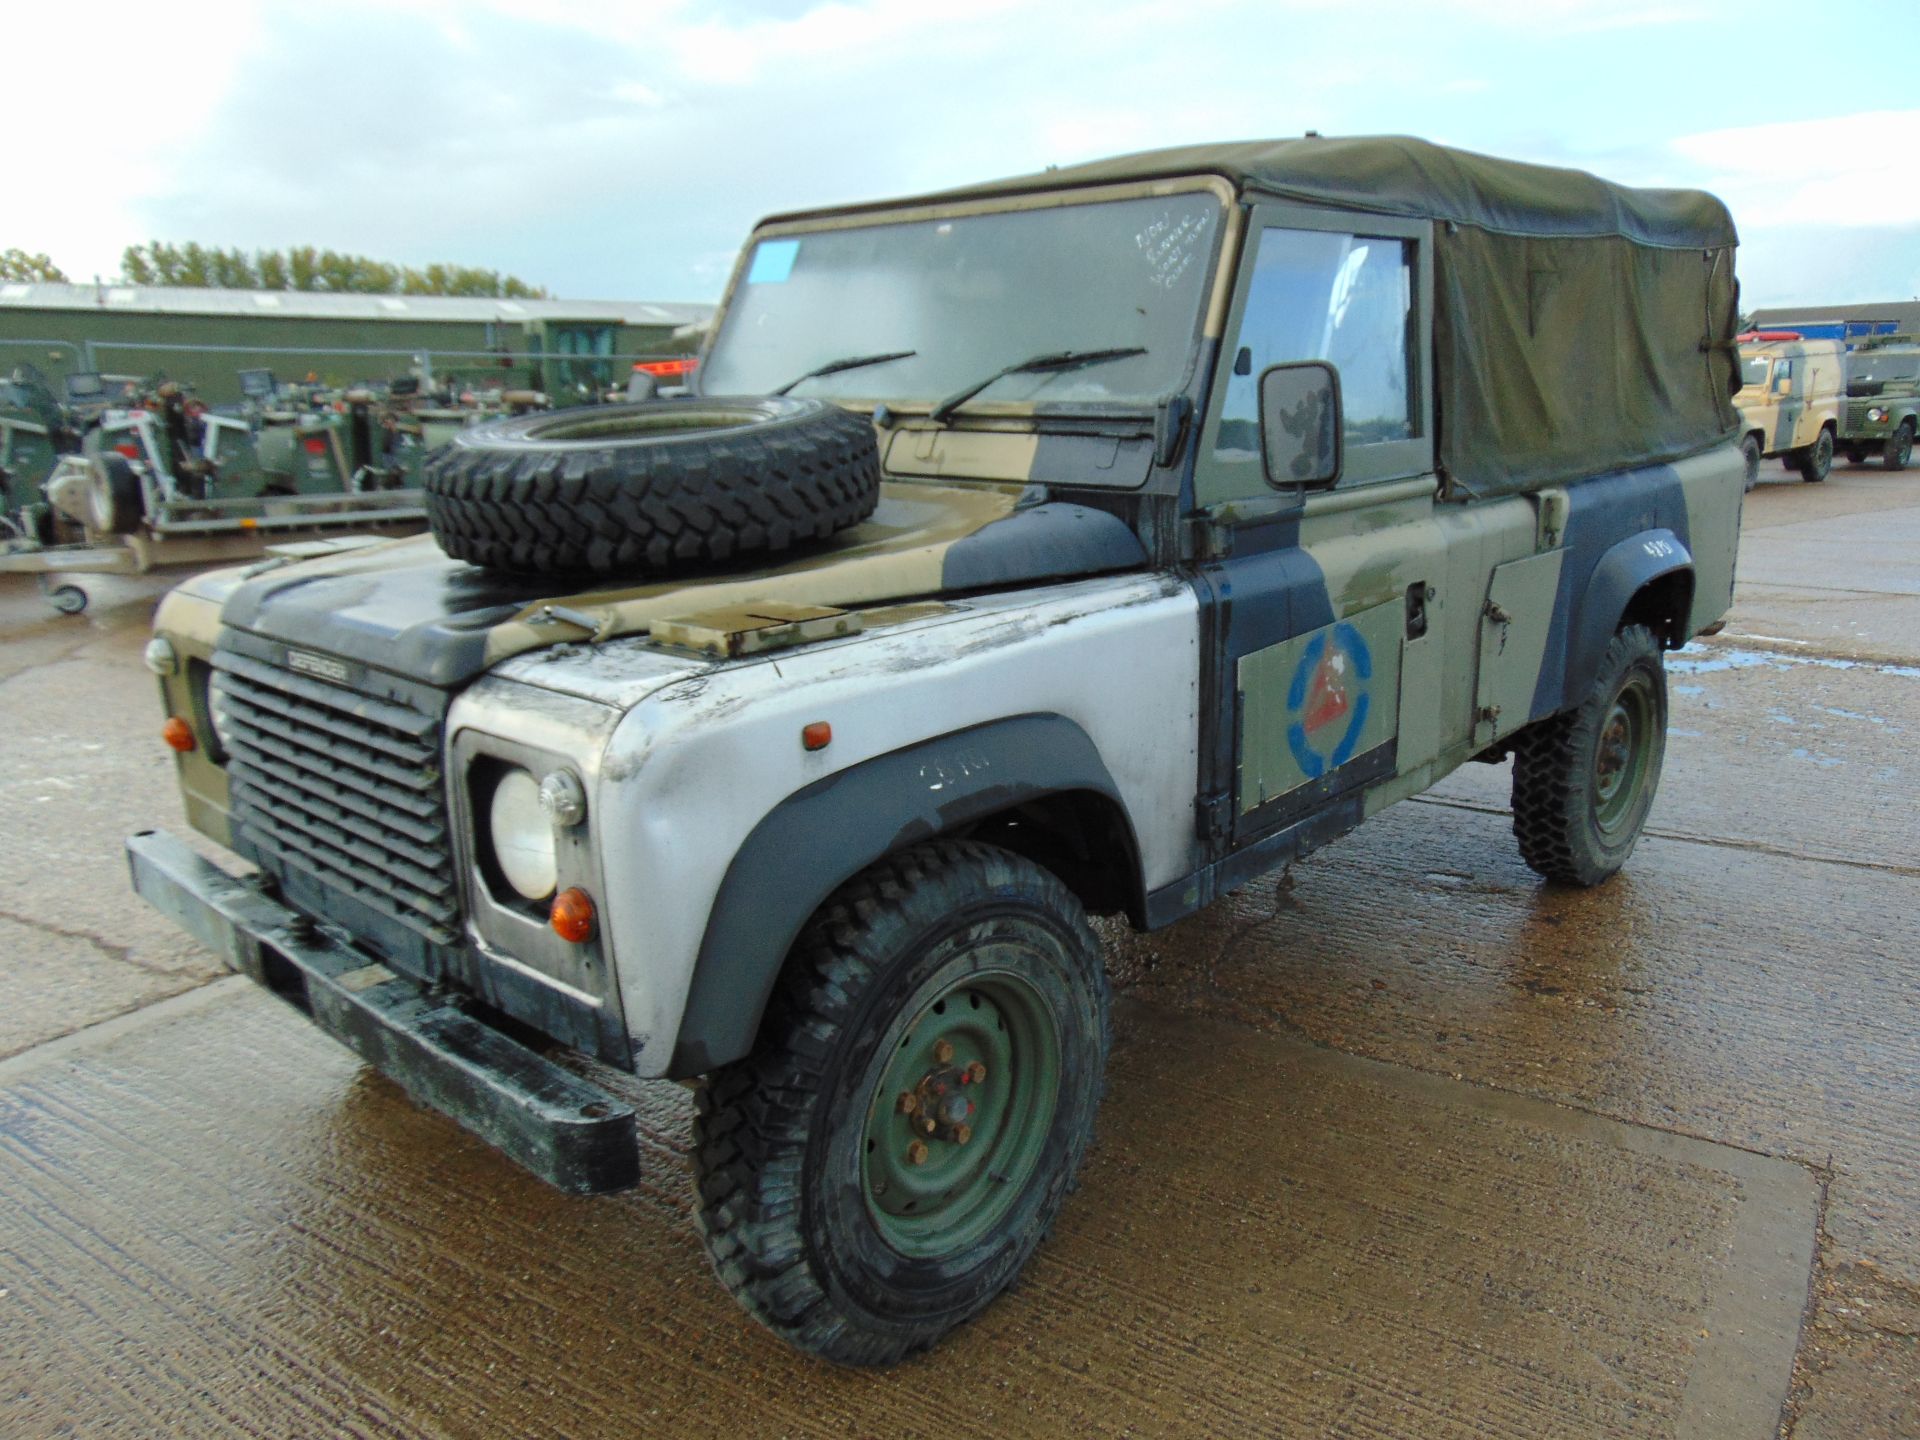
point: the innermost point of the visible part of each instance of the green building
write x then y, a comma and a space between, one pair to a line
205, 337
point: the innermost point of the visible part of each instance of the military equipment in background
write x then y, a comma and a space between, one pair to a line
159, 479
35, 431
1091, 542
1791, 394
1883, 401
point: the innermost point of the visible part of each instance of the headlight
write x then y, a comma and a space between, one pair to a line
1876, 414
215, 702
160, 657
523, 836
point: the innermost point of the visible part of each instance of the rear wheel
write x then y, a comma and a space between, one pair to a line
1750, 454
1584, 781
1899, 451
922, 1094
1815, 462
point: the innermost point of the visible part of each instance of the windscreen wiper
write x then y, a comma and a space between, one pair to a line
852, 362
1054, 360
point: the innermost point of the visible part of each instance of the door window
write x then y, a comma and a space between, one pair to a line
1328, 295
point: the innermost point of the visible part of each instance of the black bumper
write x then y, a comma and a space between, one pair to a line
568, 1132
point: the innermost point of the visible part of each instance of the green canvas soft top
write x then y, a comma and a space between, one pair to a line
1579, 326
1400, 175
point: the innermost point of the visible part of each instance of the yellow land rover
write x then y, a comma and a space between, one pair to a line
1791, 392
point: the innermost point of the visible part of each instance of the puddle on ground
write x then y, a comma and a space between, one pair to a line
1698, 659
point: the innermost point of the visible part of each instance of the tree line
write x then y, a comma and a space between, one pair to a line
305, 267
299, 267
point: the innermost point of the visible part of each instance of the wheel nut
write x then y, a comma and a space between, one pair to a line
942, 1051
929, 1124
917, 1153
962, 1134
908, 1102
977, 1071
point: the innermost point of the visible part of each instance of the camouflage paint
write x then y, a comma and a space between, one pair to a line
1794, 420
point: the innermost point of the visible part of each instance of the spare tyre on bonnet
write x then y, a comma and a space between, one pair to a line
652, 485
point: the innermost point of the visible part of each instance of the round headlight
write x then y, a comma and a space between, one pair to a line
217, 717
160, 657
1876, 414
523, 836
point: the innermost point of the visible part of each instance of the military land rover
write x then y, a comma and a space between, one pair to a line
1095, 541
1791, 394
1883, 401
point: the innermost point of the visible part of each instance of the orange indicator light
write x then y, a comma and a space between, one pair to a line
177, 733
817, 736
572, 916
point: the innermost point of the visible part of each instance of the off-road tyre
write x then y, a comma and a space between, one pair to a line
1570, 829
115, 502
657, 485
1750, 457
785, 1140
1815, 461
1898, 453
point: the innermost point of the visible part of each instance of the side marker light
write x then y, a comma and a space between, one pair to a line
572, 916
817, 736
178, 734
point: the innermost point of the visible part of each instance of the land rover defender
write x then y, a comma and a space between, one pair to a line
1094, 541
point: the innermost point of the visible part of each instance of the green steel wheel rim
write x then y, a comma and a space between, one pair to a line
932, 1193
1623, 756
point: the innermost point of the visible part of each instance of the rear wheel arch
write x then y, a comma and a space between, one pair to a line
1032, 784
1665, 606
1646, 579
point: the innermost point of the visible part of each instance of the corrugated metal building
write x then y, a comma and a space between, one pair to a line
207, 336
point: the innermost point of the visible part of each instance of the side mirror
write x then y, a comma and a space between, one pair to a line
1300, 423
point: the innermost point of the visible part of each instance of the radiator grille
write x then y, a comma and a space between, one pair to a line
1857, 413
342, 785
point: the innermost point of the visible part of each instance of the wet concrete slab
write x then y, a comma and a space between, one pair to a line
298, 1251
213, 1220
79, 768
1834, 568
1800, 755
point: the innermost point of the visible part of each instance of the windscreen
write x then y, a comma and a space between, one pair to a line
1753, 369
972, 294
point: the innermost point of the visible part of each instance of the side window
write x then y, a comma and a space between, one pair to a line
1326, 295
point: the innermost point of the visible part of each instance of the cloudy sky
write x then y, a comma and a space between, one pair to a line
611, 149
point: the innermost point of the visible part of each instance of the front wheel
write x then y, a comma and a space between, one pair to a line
1899, 450
1816, 461
920, 1099
1750, 457
1584, 781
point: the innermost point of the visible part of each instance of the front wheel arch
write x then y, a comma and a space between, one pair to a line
1021, 783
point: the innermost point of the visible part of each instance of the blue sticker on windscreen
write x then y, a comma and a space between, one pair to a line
773, 262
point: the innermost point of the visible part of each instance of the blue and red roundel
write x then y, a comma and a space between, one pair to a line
1327, 700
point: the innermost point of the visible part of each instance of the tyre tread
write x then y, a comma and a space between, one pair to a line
752, 1118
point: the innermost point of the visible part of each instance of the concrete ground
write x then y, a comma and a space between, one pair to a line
1399, 1143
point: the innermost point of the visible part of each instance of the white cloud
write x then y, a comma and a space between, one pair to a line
105, 116
1845, 170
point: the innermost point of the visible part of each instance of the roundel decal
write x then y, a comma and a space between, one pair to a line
1327, 700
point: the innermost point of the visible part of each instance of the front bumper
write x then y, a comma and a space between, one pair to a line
570, 1133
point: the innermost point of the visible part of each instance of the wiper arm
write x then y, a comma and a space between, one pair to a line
1055, 360
852, 362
